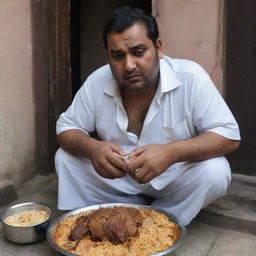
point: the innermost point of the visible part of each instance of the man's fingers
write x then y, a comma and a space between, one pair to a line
143, 176
133, 164
117, 161
137, 151
117, 150
114, 171
104, 173
146, 179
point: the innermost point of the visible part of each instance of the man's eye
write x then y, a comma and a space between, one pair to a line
117, 56
139, 53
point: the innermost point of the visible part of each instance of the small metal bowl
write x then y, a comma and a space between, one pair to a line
25, 234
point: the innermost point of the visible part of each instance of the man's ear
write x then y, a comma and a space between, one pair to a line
159, 48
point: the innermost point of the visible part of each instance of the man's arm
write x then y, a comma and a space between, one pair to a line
204, 146
155, 159
101, 153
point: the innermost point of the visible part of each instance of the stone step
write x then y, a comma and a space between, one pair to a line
7, 192
236, 210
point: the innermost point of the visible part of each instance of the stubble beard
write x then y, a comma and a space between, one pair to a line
147, 83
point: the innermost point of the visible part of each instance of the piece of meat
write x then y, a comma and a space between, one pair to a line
80, 229
116, 225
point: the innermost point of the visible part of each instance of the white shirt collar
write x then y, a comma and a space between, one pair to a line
111, 87
168, 78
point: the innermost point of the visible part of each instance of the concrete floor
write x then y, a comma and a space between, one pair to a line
202, 239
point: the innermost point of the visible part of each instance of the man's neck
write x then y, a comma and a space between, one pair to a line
136, 106
143, 96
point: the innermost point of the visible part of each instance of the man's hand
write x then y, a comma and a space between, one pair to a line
107, 161
146, 163
105, 156
152, 160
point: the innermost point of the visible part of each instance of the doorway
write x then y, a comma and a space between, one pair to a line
241, 79
67, 47
87, 19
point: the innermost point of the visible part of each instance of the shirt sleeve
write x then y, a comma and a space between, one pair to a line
211, 112
80, 114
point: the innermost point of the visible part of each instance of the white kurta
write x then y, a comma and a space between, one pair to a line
186, 104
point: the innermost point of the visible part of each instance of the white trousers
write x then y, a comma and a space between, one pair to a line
200, 184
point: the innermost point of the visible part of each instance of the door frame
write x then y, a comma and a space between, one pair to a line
240, 78
51, 77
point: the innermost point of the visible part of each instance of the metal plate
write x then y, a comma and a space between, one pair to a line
166, 252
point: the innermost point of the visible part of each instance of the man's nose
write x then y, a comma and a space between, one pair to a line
129, 64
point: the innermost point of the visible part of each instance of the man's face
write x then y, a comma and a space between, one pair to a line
133, 58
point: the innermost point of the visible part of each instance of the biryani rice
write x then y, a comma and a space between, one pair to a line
157, 233
26, 218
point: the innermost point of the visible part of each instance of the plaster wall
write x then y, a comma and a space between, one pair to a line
193, 29
16, 92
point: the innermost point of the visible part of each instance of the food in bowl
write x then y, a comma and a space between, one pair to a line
22, 231
139, 232
27, 218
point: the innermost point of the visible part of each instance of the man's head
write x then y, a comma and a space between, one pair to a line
133, 51
124, 17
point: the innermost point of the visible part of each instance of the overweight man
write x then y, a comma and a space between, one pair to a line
162, 128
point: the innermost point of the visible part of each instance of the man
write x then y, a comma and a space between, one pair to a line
163, 128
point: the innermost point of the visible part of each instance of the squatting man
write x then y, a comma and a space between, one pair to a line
163, 128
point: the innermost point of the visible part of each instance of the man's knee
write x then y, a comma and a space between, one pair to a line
217, 174
60, 156
65, 162
62, 159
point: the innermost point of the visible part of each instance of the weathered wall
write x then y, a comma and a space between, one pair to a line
193, 29
16, 97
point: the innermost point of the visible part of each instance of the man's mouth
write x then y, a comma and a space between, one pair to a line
131, 76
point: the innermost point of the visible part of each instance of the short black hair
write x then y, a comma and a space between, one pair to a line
124, 17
